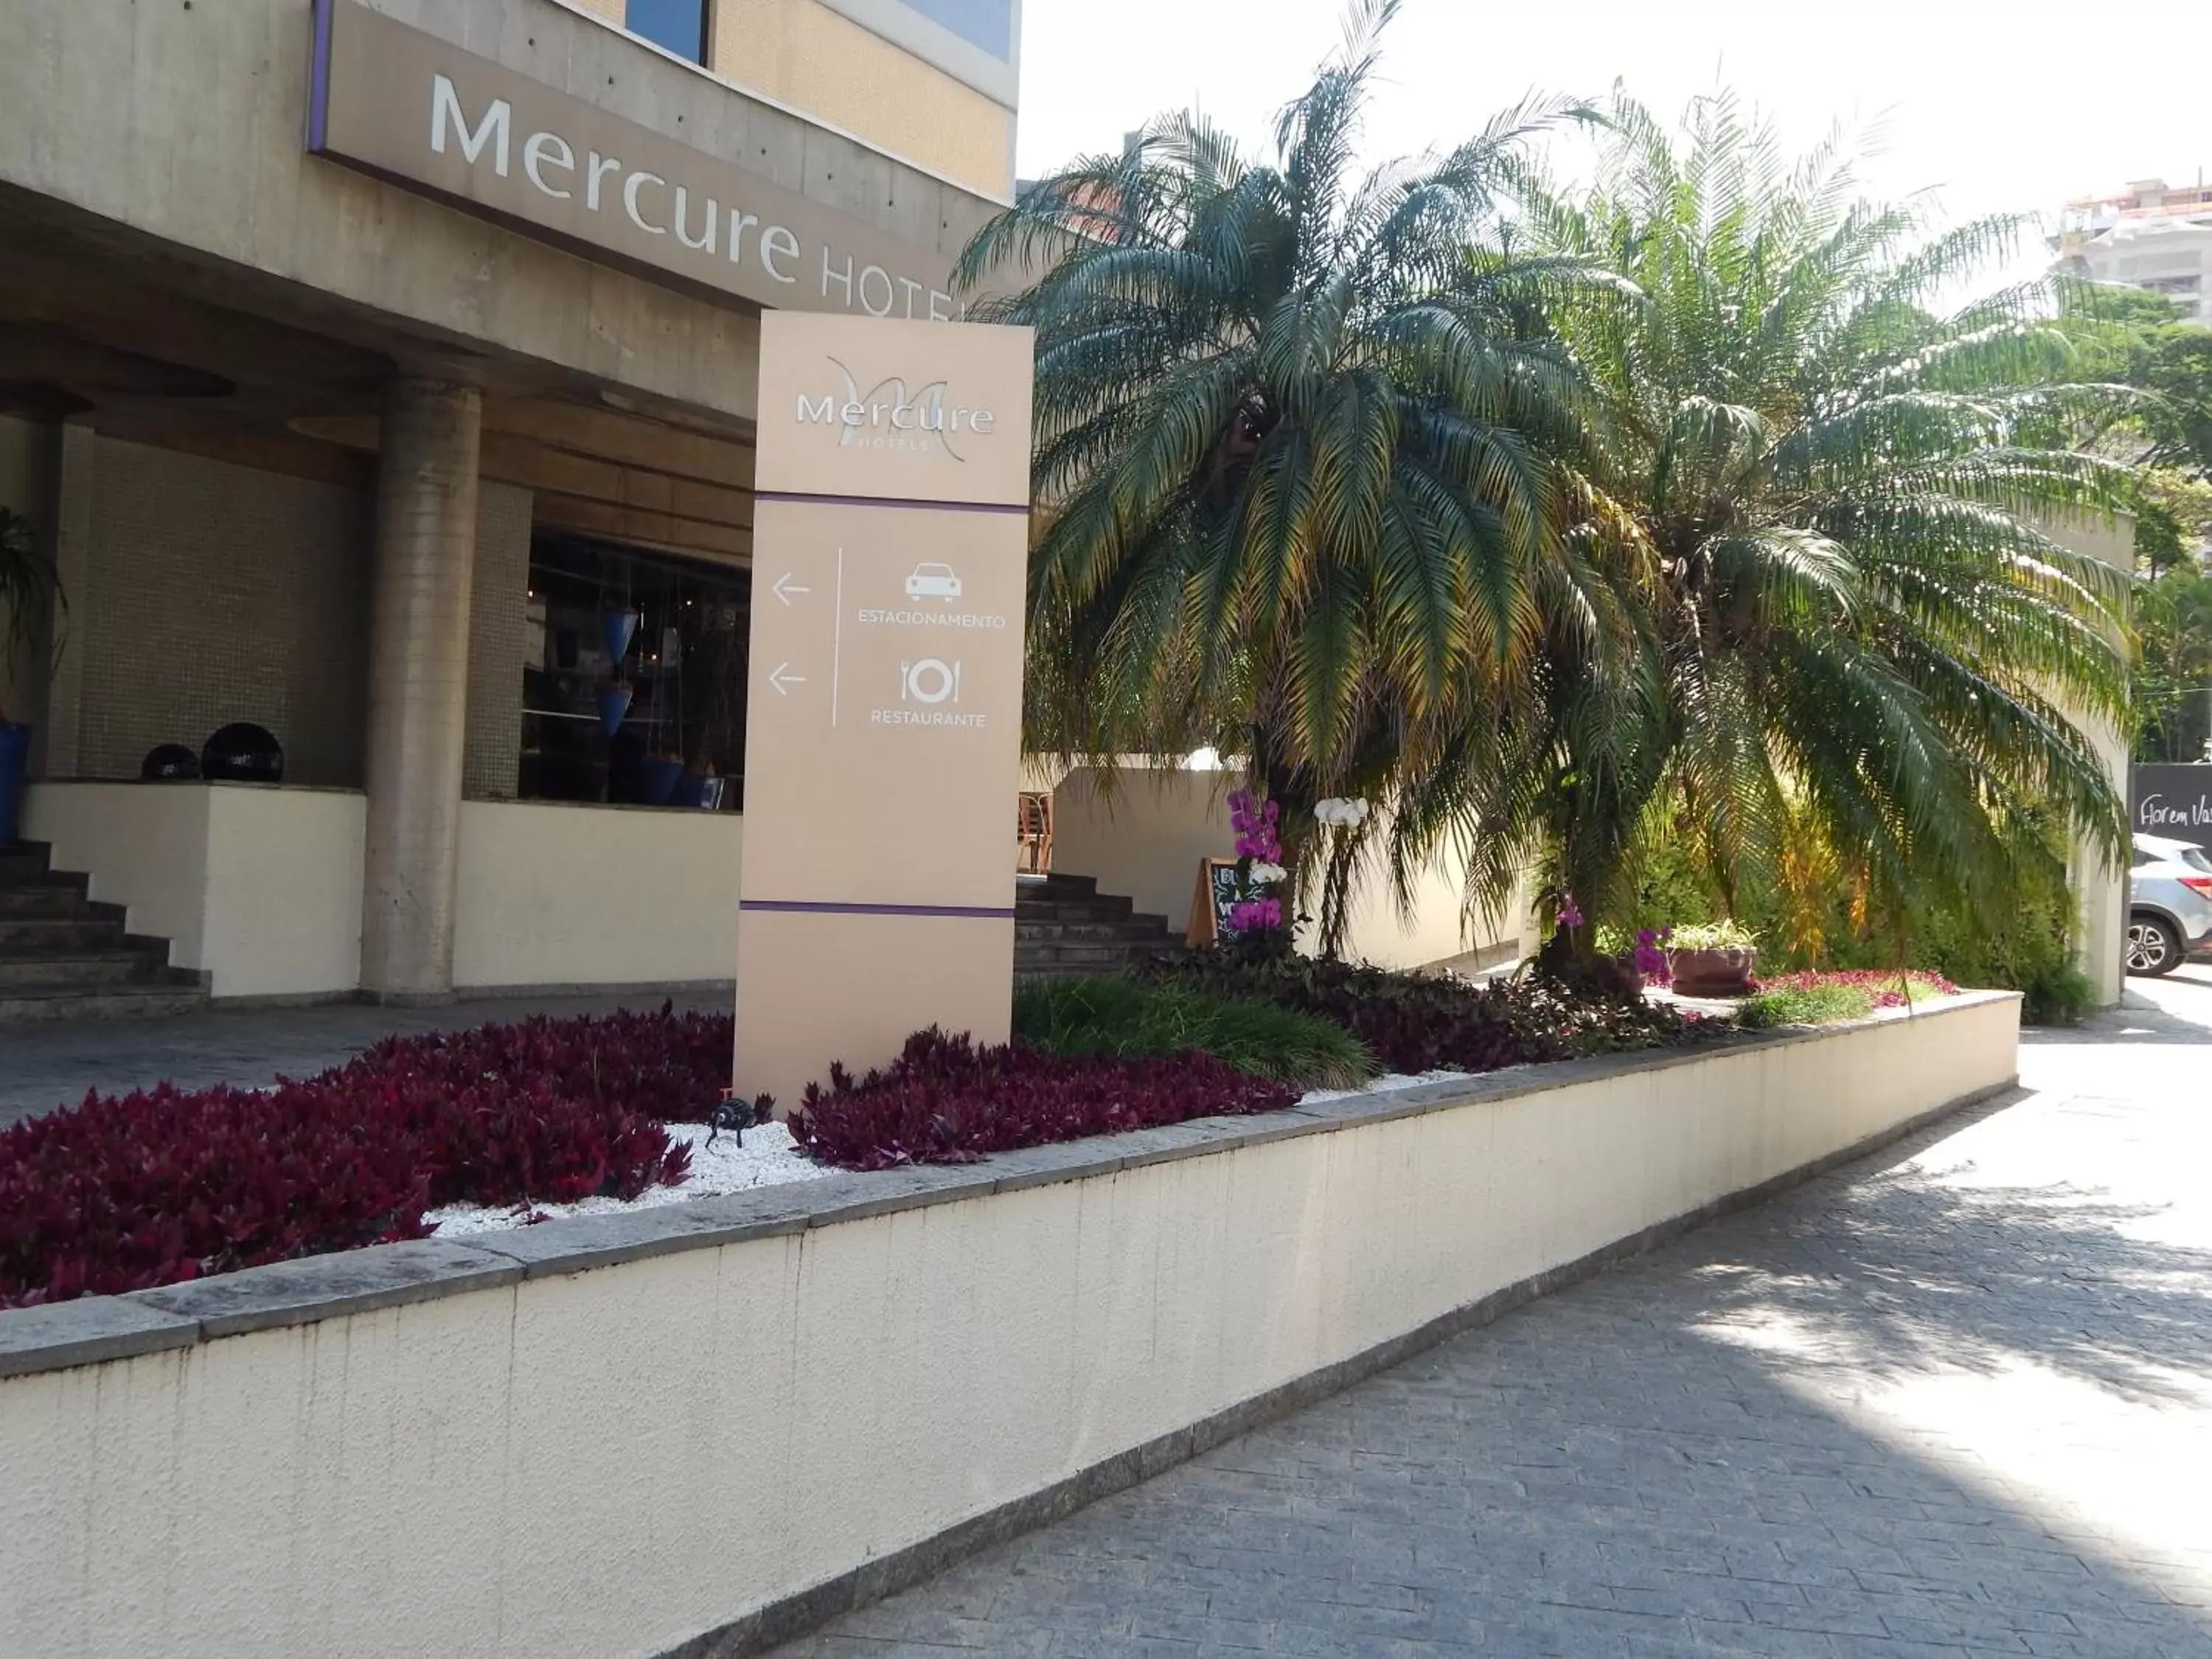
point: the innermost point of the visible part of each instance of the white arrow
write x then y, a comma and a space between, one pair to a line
783, 679
784, 588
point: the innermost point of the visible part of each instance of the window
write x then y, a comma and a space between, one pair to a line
680, 25
672, 733
989, 24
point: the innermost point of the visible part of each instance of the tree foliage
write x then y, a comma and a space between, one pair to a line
1669, 509
1299, 433
1827, 515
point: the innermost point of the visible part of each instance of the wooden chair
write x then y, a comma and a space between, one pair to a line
1033, 833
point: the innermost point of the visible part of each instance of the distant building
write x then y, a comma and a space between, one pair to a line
2153, 236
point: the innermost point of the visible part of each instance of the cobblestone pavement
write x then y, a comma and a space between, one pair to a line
1953, 1401
43, 1067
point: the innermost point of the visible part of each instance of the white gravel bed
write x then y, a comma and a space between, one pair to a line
768, 1159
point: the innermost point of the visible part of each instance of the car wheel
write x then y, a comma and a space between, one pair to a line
2153, 946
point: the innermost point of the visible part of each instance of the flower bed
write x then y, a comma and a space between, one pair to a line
498, 1125
490, 1128
1823, 999
1882, 985
1415, 1022
946, 1101
121, 1193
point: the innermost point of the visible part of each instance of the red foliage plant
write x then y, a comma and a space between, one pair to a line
946, 1101
123, 1193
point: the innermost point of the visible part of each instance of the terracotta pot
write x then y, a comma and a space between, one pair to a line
1722, 972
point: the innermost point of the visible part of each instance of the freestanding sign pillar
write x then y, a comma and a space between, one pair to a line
883, 739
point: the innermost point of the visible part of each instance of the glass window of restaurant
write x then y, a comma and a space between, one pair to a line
634, 678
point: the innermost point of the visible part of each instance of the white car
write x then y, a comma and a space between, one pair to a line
932, 581
2169, 905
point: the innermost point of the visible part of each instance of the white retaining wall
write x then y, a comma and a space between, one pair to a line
613, 1462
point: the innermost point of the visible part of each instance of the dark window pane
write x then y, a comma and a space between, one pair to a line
678, 25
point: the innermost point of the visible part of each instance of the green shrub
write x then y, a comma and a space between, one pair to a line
1818, 1005
2057, 994
1415, 1022
1123, 1018
1665, 883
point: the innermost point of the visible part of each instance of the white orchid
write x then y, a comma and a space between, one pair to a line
1266, 875
1338, 813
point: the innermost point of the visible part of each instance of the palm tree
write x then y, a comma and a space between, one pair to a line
1824, 591
1295, 441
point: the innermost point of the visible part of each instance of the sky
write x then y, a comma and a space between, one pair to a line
1999, 108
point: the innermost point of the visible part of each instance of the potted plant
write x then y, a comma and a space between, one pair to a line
1713, 958
664, 774
30, 596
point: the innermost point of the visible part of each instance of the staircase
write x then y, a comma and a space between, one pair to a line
1065, 928
61, 957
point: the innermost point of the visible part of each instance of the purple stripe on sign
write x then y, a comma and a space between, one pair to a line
885, 501
825, 908
318, 93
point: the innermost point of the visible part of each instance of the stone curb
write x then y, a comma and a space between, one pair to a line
95, 1329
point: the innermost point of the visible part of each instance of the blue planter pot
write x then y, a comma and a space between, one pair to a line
661, 778
614, 707
15, 758
620, 627
690, 790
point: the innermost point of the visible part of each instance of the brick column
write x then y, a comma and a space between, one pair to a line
418, 675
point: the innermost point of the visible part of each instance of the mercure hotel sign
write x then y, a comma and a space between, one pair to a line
424, 113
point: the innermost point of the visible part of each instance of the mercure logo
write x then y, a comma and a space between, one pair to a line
891, 415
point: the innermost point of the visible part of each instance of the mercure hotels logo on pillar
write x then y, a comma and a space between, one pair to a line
888, 416
882, 745
910, 412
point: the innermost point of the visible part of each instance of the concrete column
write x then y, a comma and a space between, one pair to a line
57, 746
418, 682
2102, 888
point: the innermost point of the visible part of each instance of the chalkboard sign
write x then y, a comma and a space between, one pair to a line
2175, 802
1216, 895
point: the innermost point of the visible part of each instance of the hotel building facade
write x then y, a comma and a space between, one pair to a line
381, 374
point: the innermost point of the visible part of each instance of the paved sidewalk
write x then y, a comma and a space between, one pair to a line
1955, 1400
43, 1067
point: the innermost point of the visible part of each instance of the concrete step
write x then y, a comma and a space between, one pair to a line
1102, 958
1103, 908
1059, 886
1101, 932
20, 934
102, 967
26, 1004
50, 897
25, 861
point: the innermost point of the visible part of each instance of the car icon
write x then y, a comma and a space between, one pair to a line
932, 581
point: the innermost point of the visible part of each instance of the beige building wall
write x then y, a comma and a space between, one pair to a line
498, 628
553, 894
801, 53
258, 888
211, 593
2101, 888
227, 180
215, 593
1145, 841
